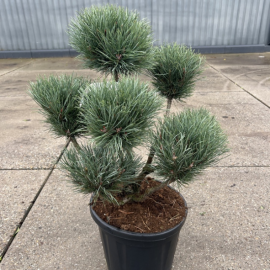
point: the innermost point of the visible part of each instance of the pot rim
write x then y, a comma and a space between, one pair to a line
138, 236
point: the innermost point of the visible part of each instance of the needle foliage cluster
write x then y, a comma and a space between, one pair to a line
100, 170
112, 40
120, 114
58, 97
187, 143
175, 70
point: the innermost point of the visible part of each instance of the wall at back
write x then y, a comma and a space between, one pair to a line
31, 28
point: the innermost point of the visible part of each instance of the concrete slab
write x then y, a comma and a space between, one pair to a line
58, 234
7, 65
58, 63
25, 140
260, 59
66, 65
17, 189
212, 81
3, 72
228, 222
236, 71
243, 118
254, 79
17, 82
227, 226
258, 84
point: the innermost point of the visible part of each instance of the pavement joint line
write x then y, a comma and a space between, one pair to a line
25, 169
240, 86
18, 68
218, 91
241, 166
57, 70
55, 168
6, 248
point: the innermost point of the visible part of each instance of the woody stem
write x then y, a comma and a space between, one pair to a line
75, 143
169, 104
150, 191
116, 76
147, 167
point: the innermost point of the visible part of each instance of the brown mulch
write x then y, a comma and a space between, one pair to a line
163, 210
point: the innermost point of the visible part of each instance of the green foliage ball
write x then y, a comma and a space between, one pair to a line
187, 143
102, 171
119, 114
58, 98
175, 70
112, 40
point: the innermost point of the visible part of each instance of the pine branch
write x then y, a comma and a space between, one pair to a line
116, 76
150, 191
169, 104
173, 75
147, 169
75, 143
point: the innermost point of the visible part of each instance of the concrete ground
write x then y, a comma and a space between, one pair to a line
228, 225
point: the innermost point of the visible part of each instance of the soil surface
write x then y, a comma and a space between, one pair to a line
163, 210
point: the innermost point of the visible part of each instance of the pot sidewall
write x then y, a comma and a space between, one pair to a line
126, 250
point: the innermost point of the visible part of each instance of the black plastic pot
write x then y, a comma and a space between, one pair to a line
126, 250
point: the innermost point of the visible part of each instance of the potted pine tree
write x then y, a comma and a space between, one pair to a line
139, 216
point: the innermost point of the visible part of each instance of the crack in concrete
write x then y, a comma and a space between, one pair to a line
240, 85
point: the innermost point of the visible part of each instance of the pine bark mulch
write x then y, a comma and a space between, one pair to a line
163, 210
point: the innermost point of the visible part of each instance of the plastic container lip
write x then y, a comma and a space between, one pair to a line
138, 236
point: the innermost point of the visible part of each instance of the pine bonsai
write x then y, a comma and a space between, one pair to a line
112, 40
119, 116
